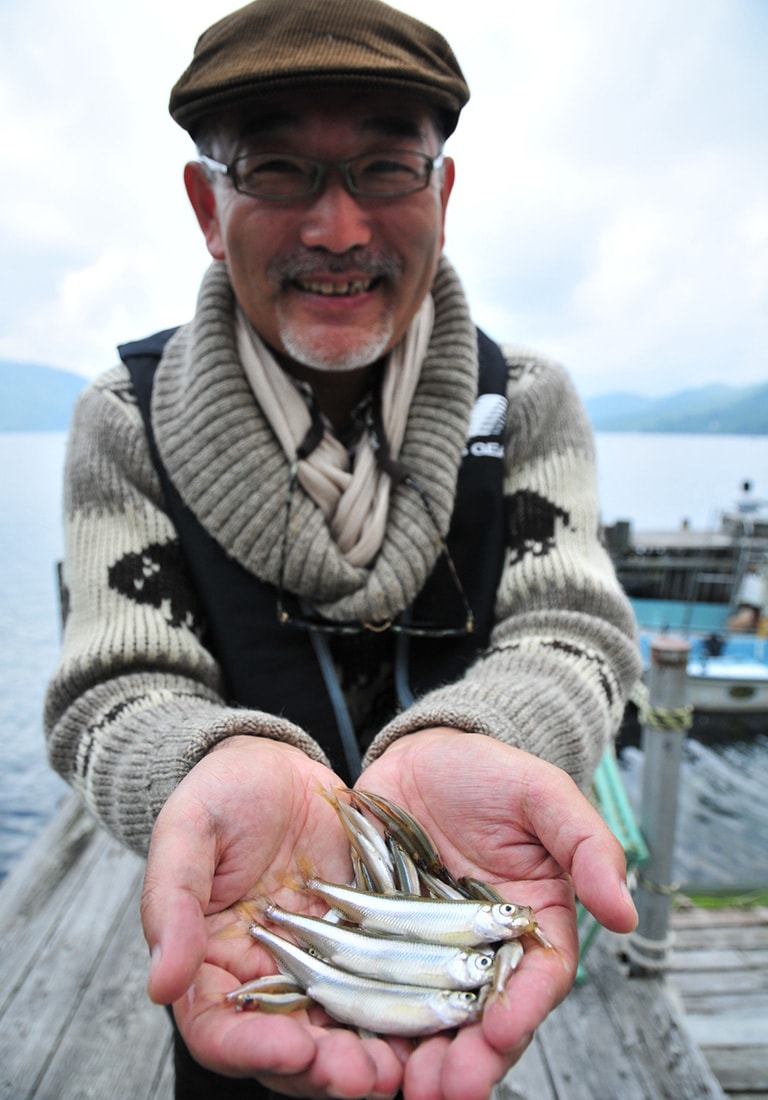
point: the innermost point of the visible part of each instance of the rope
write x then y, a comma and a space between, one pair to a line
656, 887
668, 719
635, 947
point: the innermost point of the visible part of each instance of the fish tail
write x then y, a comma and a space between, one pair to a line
298, 879
244, 914
327, 793
331, 794
537, 934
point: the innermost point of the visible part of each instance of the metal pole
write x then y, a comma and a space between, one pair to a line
664, 726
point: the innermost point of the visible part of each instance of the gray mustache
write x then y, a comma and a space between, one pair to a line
355, 262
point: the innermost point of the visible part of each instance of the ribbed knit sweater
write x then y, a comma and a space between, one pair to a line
136, 701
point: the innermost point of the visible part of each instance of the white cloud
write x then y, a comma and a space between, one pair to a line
609, 205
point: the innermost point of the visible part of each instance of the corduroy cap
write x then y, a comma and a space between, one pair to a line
278, 45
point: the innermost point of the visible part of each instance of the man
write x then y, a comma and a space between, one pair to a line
327, 519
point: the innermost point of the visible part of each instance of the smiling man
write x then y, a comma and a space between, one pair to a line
326, 532
333, 262
343, 258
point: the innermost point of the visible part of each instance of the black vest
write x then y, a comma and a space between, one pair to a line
285, 671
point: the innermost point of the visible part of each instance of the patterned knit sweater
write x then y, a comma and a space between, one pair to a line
136, 701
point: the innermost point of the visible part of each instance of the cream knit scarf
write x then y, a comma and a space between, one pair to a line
353, 500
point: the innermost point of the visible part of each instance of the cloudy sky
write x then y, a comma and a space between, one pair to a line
611, 206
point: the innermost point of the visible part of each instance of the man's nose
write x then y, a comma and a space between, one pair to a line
335, 220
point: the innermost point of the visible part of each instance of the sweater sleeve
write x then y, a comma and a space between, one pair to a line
563, 652
136, 699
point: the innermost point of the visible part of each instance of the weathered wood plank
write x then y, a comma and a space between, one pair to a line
719, 966
164, 1086
725, 1004
740, 1027
55, 971
613, 1038
529, 1079
743, 1068
716, 958
744, 981
36, 899
113, 1013
653, 1035
575, 1041
739, 937
691, 917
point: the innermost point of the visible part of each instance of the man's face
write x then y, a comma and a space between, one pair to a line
331, 281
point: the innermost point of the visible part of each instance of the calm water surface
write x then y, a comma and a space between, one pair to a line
30, 492
654, 480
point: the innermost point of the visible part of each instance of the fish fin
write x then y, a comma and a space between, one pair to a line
327, 793
537, 934
331, 794
244, 914
297, 880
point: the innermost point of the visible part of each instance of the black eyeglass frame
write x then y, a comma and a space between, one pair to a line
322, 167
401, 625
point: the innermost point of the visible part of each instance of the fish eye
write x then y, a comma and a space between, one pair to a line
485, 960
469, 997
508, 909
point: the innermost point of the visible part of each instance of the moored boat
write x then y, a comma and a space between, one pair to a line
726, 673
710, 587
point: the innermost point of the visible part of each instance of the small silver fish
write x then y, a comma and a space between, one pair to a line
405, 870
268, 983
507, 960
437, 887
408, 833
383, 1008
466, 923
483, 891
271, 1003
400, 961
367, 842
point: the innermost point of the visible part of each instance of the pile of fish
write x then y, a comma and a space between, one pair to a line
407, 950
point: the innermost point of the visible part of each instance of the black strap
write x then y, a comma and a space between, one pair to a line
275, 669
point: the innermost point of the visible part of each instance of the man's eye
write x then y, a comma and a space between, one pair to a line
256, 167
386, 166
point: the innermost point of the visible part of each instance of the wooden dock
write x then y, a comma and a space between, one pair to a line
719, 969
75, 1022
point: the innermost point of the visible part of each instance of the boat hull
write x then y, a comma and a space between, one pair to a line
731, 681
728, 687
727, 673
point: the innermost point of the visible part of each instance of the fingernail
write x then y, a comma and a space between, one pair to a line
628, 898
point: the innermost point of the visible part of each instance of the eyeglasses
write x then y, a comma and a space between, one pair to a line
309, 620
386, 175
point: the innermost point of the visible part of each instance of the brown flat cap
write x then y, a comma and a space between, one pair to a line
277, 45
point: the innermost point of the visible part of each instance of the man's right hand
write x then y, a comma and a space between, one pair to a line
240, 823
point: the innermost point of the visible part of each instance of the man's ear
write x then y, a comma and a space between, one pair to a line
203, 198
449, 175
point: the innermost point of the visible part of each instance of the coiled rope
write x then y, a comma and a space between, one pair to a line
651, 955
668, 719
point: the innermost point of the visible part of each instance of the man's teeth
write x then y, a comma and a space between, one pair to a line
354, 286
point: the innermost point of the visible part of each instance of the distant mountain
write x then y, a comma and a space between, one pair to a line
717, 409
35, 398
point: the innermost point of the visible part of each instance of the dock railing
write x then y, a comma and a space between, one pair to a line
665, 722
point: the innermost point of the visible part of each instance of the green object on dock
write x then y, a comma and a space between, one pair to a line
612, 801
610, 797
728, 897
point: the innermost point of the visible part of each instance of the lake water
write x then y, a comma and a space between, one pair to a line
30, 495
656, 481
